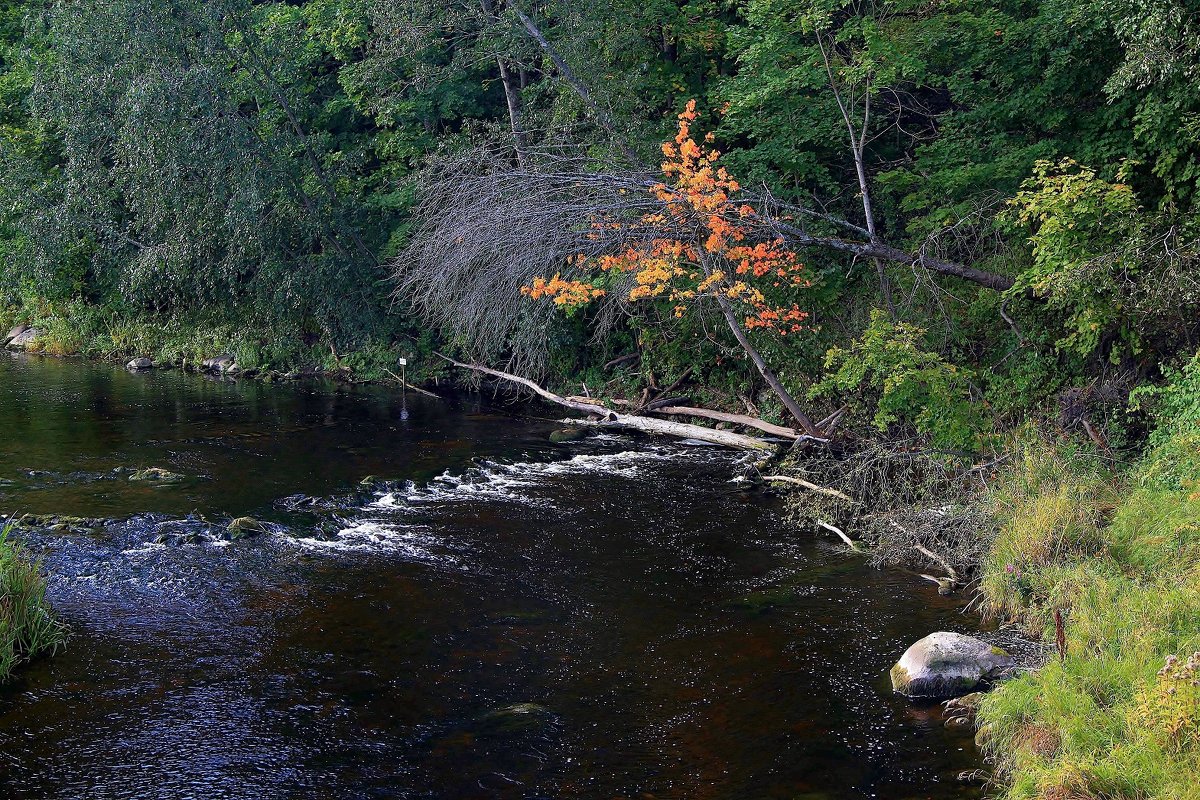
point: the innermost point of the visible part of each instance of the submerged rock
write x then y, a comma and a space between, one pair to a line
947, 664
516, 718
139, 364
61, 523
156, 475
568, 435
244, 527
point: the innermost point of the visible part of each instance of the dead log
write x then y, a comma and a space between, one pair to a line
679, 430
665, 402
608, 418
736, 419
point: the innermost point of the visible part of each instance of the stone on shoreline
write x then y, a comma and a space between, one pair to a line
15, 332
221, 363
23, 338
139, 364
947, 664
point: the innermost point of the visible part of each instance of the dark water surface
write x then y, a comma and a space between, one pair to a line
499, 617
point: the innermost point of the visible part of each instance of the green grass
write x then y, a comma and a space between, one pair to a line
1119, 554
28, 628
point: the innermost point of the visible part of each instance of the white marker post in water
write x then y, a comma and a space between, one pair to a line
403, 362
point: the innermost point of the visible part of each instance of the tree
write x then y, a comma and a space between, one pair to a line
188, 164
699, 244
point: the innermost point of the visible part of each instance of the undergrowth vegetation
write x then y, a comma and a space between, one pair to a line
257, 342
1116, 553
28, 628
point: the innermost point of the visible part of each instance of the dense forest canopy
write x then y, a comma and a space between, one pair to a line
992, 200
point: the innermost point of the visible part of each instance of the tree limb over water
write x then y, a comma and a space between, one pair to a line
611, 419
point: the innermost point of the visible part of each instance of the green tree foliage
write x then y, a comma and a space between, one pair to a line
906, 385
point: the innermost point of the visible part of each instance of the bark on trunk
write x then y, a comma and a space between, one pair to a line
512, 96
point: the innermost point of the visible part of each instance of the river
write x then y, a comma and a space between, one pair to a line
493, 616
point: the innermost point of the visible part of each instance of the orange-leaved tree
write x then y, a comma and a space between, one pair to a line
700, 243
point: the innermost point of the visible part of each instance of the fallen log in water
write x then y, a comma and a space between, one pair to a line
734, 419
611, 419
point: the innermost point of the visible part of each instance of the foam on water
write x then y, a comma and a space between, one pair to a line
376, 536
520, 482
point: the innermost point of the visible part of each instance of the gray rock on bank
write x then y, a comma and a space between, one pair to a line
947, 664
21, 337
14, 333
139, 364
222, 363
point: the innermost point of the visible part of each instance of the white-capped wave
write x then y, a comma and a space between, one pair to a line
519, 482
376, 536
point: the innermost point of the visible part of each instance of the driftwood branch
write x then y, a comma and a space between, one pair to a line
611, 419
841, 533
812, 487
735, 419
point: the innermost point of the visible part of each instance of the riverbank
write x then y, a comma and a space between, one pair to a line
267, 346
1105, 561
28, 627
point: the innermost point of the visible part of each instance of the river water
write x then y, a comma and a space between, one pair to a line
492, 616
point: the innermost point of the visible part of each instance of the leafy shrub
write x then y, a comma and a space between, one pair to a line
908, 385
1121, 280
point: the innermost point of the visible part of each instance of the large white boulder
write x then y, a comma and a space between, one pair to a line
947, 664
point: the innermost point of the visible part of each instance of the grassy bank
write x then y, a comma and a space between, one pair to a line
1117, 552
259, 342
28, 628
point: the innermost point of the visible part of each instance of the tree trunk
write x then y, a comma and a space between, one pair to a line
735, 325
512, 96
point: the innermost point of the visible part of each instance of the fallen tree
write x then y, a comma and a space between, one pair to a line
603, 416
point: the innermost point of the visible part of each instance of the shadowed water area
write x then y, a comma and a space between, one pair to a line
492, 616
